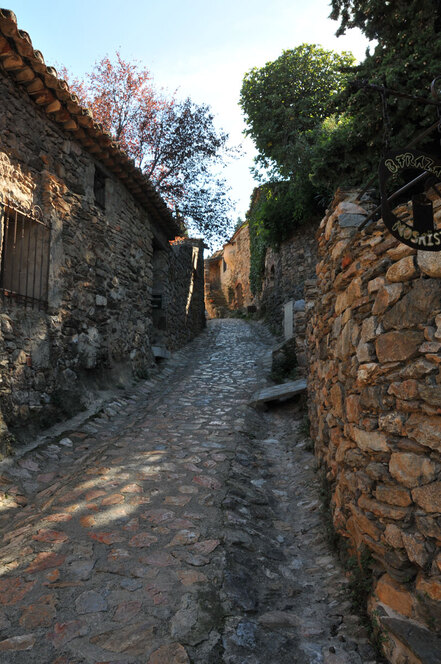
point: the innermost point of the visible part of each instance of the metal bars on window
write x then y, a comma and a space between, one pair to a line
24, 273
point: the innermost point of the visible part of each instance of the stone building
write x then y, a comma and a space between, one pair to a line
89, 282
227, 276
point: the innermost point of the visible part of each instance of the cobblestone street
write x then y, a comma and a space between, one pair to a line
179, 526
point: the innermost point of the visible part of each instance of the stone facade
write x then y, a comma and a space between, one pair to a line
286, 271
374, 340
92, 322
227, 276
186, 309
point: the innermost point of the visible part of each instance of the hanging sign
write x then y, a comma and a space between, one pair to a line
415, 227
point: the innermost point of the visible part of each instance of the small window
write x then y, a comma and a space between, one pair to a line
24, 271
224, 265
99, 187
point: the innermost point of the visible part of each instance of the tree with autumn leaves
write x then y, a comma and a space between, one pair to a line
174, 142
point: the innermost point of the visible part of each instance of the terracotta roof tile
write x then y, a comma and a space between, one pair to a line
27, 67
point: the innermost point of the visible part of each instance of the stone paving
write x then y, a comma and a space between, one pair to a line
180, 526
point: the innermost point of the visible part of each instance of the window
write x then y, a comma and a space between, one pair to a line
99, 187
224, 265
24, 270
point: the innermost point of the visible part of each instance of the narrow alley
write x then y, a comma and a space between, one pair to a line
179, 526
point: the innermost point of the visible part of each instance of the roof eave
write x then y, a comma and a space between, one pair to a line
51, 94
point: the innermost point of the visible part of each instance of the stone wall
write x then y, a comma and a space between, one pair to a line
215, 303
186, 308
374, 338
286, 271
227, 276
96, 328
239, 266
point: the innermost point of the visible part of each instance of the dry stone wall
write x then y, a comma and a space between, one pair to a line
239, 267
227, 276
286, 272
186, 308
374, 344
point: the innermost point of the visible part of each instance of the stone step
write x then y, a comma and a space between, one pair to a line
160, 351
279, 392
425, 646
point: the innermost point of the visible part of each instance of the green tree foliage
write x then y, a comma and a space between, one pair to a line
258, 240
384, 19
406, 58
285, 101
281, 208
285, 104
317, 124
276, 208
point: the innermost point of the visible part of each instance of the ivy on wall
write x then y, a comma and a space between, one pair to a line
258, 243
285, 103
317, 124
276, 210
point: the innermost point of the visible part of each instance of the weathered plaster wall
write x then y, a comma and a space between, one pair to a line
98, 322
286, 271
374, 338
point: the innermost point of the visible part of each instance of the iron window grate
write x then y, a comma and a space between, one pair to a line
24, 273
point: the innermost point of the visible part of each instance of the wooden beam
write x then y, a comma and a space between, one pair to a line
74, 108
51, 80
62, 116
85, 121
80, 133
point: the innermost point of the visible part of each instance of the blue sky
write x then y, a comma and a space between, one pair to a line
201, 49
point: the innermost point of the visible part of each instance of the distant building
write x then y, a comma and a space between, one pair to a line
227, 276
